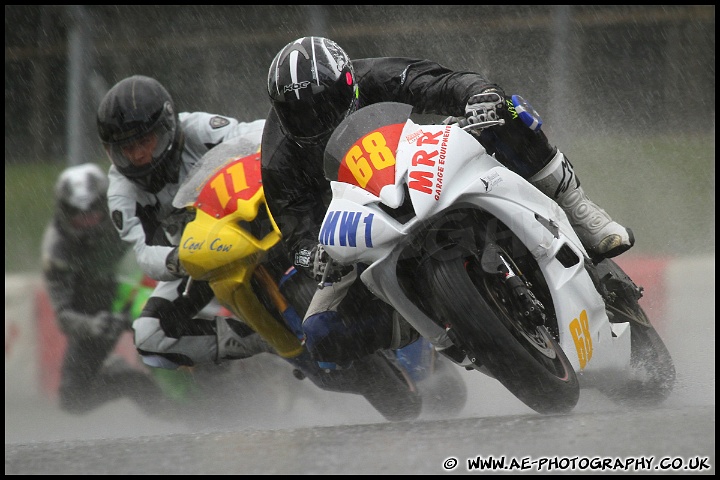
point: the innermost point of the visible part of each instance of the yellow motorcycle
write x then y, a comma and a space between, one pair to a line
231, 241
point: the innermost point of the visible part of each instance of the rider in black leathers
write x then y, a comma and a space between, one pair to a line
313, 86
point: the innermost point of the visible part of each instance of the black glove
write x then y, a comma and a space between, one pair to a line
172, 263
314, 262
107, 325
174, 224
484, 108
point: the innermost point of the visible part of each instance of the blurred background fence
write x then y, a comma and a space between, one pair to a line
628, 92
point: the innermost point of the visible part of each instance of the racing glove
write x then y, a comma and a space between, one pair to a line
491, 108
172, 263
315, 261
483, 109
107, 325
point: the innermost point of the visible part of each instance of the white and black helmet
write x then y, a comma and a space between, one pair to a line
312, 87
81, 197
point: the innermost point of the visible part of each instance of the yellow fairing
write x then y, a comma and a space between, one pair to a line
211, 246
243, 302
225, 254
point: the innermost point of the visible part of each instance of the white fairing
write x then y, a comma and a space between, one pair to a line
456, 171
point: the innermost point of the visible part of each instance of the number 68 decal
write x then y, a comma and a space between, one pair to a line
370, 162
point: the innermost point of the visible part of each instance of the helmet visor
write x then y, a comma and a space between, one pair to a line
141, 153
317, 114
83, 219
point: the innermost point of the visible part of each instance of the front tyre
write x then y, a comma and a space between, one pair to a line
522, 355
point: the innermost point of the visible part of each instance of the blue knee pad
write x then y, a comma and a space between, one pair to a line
329, 338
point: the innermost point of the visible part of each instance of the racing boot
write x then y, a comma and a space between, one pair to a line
237, 341
600, 235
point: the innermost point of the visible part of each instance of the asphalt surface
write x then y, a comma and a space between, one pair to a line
271, 423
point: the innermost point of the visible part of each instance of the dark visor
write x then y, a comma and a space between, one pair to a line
315, 115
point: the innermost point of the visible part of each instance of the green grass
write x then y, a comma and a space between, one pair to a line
662, 187
29, 203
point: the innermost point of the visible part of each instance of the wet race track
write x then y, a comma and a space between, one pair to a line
268, 422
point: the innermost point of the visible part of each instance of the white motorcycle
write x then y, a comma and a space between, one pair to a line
484, 265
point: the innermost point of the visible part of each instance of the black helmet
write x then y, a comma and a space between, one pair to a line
139, 111
81, 199
312, 88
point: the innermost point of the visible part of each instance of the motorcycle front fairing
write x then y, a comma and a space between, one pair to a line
445, 168
231, 233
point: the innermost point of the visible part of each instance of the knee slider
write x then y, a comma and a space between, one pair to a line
525, 112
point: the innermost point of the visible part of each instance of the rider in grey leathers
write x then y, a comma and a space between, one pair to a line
152, 148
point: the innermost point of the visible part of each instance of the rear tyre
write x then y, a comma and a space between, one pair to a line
651, 376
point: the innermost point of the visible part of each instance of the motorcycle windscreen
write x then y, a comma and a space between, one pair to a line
209, 166
232, 189
361, 150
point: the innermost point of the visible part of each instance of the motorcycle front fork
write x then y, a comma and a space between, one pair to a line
495, 261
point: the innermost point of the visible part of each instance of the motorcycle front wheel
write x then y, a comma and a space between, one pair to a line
523, 356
